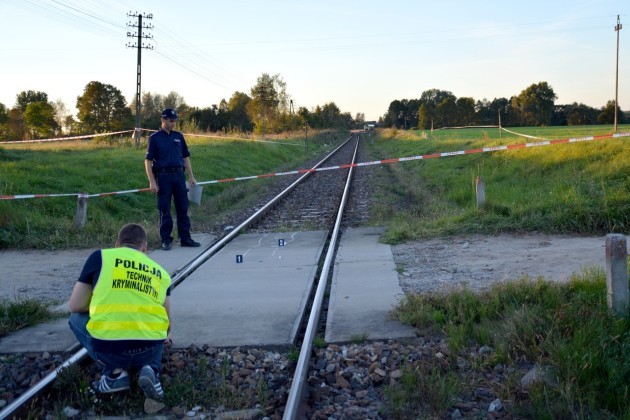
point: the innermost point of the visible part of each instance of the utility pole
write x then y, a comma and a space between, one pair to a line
617, 29
305, 137
139, 45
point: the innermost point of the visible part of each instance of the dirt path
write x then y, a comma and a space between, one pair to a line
479, 260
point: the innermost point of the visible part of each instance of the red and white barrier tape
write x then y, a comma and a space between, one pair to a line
88, 136
230, 138
350, 165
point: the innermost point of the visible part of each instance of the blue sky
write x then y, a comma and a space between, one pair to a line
359, 54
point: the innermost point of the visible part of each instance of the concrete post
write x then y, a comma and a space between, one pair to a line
617, 273
81, 216
481, 192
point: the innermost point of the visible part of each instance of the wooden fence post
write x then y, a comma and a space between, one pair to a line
617, 273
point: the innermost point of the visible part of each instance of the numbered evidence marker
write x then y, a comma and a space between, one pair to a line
239, 259
280, 242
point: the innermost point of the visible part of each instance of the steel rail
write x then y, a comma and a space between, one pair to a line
177, 277
214, 248
296, 392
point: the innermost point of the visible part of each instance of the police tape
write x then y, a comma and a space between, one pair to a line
348, 165
87, 136
210, 136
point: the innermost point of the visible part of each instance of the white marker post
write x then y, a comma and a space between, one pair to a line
617, 273
480, 189
81, 215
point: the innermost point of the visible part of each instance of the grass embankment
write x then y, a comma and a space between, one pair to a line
580, 188
105, 166
577, 188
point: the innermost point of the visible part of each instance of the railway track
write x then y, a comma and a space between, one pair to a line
315, 201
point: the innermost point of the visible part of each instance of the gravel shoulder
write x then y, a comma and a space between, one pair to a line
478, 261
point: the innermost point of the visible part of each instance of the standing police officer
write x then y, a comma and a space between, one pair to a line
166, 160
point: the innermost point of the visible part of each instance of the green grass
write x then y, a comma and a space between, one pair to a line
578, 188
19, 314
116, 165
581, 188
566, 326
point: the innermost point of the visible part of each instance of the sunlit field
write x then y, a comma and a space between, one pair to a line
581, 188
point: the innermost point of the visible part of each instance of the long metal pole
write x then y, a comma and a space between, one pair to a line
617, 29
138, 90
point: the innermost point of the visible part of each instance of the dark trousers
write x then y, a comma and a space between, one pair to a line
108, 361
173, 184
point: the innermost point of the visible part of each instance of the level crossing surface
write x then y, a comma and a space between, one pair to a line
254, 292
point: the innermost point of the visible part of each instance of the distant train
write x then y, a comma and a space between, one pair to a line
368, 127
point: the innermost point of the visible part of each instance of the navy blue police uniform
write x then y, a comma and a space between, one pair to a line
167, 151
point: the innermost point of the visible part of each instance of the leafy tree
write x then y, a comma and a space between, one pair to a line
4, 119
16, 125
305, 116
331, 115
316, 117
4, 116
359, 118
150, 111
153, 104
503, 107
61, 114
28, 97
574, 114
607, 115
175, 101
428, 103
102, 108
536, 104
269, 102
446, 113
465, 108
396, 107
402, 113
70, 124
434, 97
425, 117
206, 118
40, 119
223, 115
237, 107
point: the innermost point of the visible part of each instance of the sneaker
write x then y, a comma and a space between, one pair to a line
166, 245
150, 384
190, 242
107, 385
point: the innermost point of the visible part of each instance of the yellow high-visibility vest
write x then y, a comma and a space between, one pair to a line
128, 298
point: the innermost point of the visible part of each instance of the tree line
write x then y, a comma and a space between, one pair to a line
101, 108
534, 106
268, 108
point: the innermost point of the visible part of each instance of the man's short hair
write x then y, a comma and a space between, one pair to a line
133, 235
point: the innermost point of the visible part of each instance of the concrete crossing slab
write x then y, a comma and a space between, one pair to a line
252, 292
364, 290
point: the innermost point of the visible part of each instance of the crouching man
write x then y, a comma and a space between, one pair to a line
120, 308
